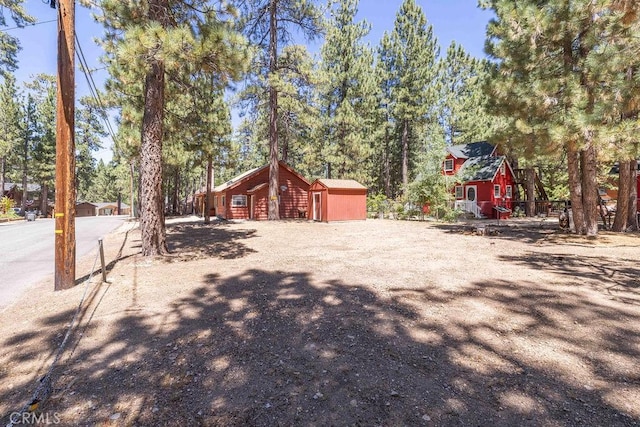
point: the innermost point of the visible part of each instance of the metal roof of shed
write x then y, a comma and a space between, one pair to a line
346, 184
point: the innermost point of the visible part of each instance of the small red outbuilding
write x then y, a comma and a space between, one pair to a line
337, 200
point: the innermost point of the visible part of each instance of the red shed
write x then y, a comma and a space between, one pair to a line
488, 180
246, 195
337, 200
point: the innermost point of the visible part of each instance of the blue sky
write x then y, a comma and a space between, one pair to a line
458, 20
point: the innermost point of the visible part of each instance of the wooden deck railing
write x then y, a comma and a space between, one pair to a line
469, 206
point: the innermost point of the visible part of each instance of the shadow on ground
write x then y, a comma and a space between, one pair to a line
192, 240
265, 348
619, 278
533, 232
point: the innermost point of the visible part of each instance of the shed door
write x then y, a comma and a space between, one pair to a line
317, 206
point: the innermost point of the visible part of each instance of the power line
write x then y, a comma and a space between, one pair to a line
93, 89
4, 30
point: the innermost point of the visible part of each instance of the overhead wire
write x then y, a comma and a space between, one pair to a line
84, 66
86, 71
30, 24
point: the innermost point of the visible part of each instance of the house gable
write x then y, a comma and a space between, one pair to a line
246, 195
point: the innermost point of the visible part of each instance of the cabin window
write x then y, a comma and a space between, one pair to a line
503, 169
448, 165
496, 191
222, 201
238, 201
459, 192
508, 192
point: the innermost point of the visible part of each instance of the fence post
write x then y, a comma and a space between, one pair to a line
104, 267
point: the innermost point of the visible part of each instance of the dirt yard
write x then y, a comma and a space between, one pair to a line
373, 323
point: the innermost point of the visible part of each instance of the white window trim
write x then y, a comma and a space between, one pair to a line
461, 189
445, 165
509, 192
496, 194
503, 169
239, 201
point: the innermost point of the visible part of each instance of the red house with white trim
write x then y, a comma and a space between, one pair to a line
487, 180
246, 195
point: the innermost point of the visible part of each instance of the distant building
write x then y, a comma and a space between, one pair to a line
101, 209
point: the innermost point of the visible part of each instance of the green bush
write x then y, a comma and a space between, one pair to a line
5, 205
378, 204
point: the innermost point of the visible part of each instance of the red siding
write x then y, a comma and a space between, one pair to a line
339, 204
485, 195
292, 200
345, 205
457, 164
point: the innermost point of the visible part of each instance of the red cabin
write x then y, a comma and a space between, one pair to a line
487, 180
337, 200
246, 195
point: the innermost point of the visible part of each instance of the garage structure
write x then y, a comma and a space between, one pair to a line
337, 200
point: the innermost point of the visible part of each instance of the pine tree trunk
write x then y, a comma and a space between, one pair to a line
285, 142
633, 196
151, 212
44, 203
575, 188
132, 210
25, 183
185, 207
3, 165
590, 190
620, 223
405, 154
174, 193
530, 192
387, 165
274, 211
207, 197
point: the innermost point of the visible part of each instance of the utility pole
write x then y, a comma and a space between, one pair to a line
65, 209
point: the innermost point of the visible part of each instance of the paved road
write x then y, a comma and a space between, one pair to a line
27, 250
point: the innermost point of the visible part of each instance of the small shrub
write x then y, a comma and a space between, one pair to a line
5, 205
378, 204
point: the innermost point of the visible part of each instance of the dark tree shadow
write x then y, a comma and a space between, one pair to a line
265, 348
194, 240
543, 233
619, 278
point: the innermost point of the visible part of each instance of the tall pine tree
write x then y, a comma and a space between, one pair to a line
163, 37
348, 95
549, 77
43, 90
9, 44
269, 24
10, 118
414, 53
